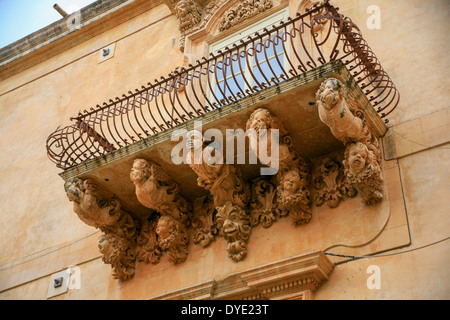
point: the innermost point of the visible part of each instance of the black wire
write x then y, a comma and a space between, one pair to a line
385, 255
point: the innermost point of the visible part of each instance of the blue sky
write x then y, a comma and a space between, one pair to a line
19, 18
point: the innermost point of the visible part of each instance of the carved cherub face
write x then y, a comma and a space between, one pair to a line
104, 245
74, 189
260, 119
357, 157
139, 171
291, 182
165, 227
329, 92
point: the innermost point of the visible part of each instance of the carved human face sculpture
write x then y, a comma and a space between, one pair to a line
232, 222
259, 120
330, 94
182, 8
291, 182
357, 157
138, 170
164, 228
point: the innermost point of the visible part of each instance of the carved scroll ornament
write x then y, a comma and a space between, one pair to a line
362, 156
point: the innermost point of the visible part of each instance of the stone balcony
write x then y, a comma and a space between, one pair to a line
329, 105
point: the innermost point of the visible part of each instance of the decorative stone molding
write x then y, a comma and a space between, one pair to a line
243, 10
294, 278
331, 183
97, 208
347, 123
158, 191
293, 196
338, 113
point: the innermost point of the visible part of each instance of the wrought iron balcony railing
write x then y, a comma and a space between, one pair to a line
267, 58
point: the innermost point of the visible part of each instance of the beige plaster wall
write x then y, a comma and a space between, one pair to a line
40, 234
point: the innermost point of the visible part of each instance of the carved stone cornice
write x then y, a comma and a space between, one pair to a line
294, 278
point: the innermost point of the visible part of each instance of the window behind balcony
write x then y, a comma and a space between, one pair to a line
252, 67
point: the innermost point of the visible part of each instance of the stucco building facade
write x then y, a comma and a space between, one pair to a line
90, 105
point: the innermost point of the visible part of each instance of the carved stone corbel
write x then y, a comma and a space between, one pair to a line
331, 183
234, 225
158, 191
230, 194
98, 208
293, 196
346, 121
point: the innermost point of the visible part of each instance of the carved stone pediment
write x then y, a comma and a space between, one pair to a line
294, 278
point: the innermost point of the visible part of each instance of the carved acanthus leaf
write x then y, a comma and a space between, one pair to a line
331, 183
203, 221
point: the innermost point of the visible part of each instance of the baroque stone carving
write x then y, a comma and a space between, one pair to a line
203, 221
362, 156
230, 193
293, 196
119, 253
362, 168
150, 251
334, 110
331, 183
263, 204
189, 14
97, 208
158, 191
234, 225
243, 10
